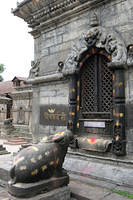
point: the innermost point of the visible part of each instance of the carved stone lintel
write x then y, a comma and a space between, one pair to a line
98, 37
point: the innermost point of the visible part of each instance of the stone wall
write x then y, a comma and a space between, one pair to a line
55, 43
54, 93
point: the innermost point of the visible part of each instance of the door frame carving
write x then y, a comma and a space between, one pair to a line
113, 44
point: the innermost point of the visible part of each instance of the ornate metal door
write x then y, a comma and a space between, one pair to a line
96, 85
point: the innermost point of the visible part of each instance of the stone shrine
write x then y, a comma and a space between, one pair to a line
82, 77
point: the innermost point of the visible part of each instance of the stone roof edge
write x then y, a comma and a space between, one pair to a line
20, 5
36, 19
4, 98
21, 92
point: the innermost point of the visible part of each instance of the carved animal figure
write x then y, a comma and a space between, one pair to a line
41, 161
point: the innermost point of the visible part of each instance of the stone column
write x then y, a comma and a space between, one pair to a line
35, 114
119, 142
72, 103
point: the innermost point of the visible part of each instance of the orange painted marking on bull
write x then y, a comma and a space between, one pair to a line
22, 167
33, 173
47, 153
33, 160
39, 157
51, 163
44, 167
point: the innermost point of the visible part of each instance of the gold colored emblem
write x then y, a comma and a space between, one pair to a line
51, 110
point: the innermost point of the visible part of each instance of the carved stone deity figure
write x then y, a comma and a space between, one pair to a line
40, 163
34, 71
130, 55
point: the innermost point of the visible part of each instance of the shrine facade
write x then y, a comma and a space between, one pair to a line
82, 75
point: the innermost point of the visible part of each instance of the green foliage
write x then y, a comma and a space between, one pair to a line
122, 193
1, 70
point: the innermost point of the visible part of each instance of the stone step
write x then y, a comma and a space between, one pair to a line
81, 191
15, 143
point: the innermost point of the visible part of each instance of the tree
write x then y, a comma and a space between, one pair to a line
1, 70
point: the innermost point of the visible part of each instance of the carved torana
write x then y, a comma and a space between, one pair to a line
100, 38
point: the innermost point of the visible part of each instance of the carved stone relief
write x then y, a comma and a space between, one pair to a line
34, 71
100, 38
130, 55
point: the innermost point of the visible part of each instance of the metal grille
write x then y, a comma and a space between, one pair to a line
107, 87
87, 84
96, 85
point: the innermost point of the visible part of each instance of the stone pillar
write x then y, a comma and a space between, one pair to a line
72, 103
35, 114
119, 142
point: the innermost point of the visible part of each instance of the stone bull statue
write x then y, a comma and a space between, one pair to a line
41, 161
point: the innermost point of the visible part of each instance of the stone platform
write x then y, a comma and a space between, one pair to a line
62, 193
94, 183
102, 170
32, 189
79, 191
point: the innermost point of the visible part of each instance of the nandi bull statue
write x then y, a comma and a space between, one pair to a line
39, 167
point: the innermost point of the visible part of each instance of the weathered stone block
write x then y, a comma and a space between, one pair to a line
62, 193
130, 147
58, 100
47, 65
44, 52
61, 47
44, 100
51, 41
72, 35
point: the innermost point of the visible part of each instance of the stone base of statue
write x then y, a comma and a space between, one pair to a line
28, 190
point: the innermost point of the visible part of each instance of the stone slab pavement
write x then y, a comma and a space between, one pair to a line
79, 190
82, 191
